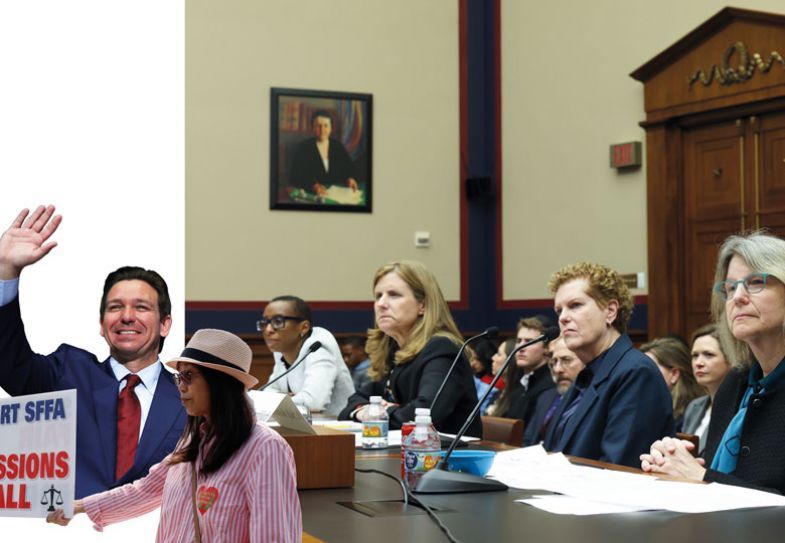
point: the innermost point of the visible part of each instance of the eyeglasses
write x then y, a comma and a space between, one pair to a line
184, 377
753, 283
277, 322
563, 362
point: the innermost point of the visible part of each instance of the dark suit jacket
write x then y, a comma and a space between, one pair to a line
24, 372
624, 409
761, 461
414, 384
308, 168
544, 401
523, 403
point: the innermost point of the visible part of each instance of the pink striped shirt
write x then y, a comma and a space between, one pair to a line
252, 498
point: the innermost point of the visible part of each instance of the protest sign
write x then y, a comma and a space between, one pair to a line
37, 453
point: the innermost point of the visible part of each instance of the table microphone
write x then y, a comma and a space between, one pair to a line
438, 480
489, 332
315, 346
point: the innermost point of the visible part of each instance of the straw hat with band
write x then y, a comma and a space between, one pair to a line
220, 351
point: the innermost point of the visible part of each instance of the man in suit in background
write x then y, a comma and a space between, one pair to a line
129, 414
565, 367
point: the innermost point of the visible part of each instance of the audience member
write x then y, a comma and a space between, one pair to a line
710, 366
747, 430
565, 367
619, 400
247, 469
481, 360
672, 357
135, 317
533, 362
412, 347
512, 379
321, 381
356, 359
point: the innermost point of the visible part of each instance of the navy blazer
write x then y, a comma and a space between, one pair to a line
24, 372
624, 409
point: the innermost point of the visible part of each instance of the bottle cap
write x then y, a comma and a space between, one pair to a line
376, 399
422, 411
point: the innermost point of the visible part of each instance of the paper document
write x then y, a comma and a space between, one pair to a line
344, 195
532, 468
278, 407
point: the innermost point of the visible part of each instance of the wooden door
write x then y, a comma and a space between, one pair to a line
769, 172
713, 192
734, 181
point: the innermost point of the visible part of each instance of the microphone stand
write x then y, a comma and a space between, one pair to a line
490, 332
440, 481
315, 346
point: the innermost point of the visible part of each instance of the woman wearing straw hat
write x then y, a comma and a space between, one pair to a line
229, 479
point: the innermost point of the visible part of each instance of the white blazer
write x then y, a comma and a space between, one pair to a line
321, 381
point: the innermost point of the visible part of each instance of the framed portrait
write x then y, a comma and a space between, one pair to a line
320, 150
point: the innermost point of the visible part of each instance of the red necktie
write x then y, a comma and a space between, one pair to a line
129, 415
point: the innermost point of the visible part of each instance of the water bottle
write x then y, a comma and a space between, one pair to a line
375, 425
406, 429
423, 450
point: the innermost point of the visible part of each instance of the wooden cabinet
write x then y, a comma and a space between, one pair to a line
715, 153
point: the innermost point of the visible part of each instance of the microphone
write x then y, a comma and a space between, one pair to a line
438, 480
489, 332
315, 346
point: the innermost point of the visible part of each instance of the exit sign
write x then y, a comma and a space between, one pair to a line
626, 155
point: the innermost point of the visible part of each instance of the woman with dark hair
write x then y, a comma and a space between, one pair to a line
411, 348
480, 359
511, 378
240, 476
673, 359
321, 381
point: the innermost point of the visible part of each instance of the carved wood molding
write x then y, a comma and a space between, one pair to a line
725, 75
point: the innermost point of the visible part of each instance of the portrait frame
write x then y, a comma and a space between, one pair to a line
306, 126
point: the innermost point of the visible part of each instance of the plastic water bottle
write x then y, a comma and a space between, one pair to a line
423, 449
376, 425
406, 429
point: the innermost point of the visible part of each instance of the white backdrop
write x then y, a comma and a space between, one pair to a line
92, 120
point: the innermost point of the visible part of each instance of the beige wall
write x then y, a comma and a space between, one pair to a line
405, 54
566, 97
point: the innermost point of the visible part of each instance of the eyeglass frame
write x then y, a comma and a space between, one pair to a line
553, 361
184, 377
720, 288
262, 324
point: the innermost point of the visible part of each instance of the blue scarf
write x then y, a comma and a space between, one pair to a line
728, 450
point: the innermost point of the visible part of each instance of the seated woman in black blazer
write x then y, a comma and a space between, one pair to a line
746, 441
411, 349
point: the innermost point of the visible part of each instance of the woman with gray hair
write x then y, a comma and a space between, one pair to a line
747, 430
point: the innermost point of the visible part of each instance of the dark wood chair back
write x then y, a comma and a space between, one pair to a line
503, 430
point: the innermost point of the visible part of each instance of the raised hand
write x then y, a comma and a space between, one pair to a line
25, 242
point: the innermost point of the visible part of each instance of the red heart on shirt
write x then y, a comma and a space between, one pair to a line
205, 498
